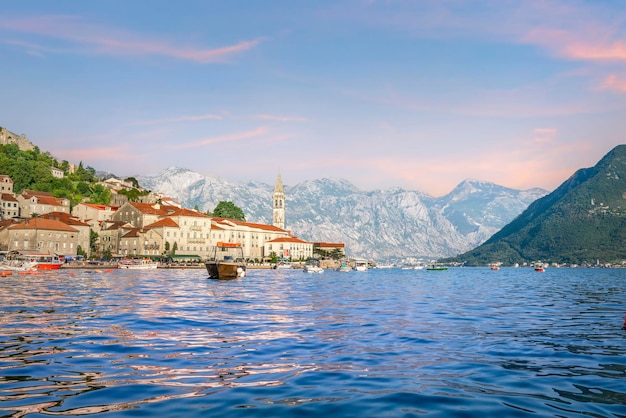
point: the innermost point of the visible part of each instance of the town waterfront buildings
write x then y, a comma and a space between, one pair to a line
39, 222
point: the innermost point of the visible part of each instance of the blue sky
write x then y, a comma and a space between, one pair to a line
391, 93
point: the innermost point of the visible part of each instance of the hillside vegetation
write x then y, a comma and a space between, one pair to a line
31, 170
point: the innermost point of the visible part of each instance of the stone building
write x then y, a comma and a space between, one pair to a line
6, 184
38, 203
93, 214
9, 206
84, 230
289, 247
47, 236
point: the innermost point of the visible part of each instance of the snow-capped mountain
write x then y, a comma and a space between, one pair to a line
382, 224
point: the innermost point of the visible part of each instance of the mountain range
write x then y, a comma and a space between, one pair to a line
582, 221
392, 225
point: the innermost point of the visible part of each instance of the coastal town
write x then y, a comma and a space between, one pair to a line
155, 226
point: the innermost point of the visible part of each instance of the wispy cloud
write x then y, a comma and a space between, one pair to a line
281, 118
190, 118
221, 139
544, 135
615, 83
97, 39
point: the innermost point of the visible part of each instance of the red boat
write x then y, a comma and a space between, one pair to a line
46, 261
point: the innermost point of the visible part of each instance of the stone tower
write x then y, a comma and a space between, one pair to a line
278, 212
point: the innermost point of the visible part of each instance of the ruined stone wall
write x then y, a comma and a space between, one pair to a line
8, 137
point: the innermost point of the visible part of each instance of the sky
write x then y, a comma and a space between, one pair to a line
416, 94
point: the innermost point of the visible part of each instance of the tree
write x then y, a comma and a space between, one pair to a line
229, 210
93, 240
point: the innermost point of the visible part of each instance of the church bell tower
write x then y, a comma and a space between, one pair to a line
278, 218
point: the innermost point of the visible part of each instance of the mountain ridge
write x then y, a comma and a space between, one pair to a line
582, 220
385, 224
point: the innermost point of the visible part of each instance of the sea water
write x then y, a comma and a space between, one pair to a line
462, 342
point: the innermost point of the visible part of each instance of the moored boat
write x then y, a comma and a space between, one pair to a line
137, 264
344, 267
226, 261
360, 265
312, 265
44, 261
283, 265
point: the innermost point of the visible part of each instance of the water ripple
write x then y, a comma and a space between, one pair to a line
387, 342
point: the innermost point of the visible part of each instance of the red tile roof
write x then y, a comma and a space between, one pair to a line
289, 239
46, 224
163, 222
66, 218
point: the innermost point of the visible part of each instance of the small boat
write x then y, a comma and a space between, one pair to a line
540, 269
312, 265
283, 265
436, 267
360, 265
45, 261
494, 267
344, 267
8, 266
226, 261
137, 264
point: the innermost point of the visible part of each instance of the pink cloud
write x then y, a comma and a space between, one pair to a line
220, 139
615, 83
112, 41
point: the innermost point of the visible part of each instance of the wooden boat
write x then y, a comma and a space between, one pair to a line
137, 264
226, 261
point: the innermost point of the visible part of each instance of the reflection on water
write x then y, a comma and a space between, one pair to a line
387, 342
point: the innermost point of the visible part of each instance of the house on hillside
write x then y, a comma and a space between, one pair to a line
57, 172
38, 203
43, 235
6, 184
9, 206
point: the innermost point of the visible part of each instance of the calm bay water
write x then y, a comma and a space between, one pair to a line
461, 342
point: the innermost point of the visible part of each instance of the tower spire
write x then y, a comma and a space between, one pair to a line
278, 207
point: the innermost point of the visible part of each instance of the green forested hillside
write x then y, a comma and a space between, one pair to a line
584, 220
32, 170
